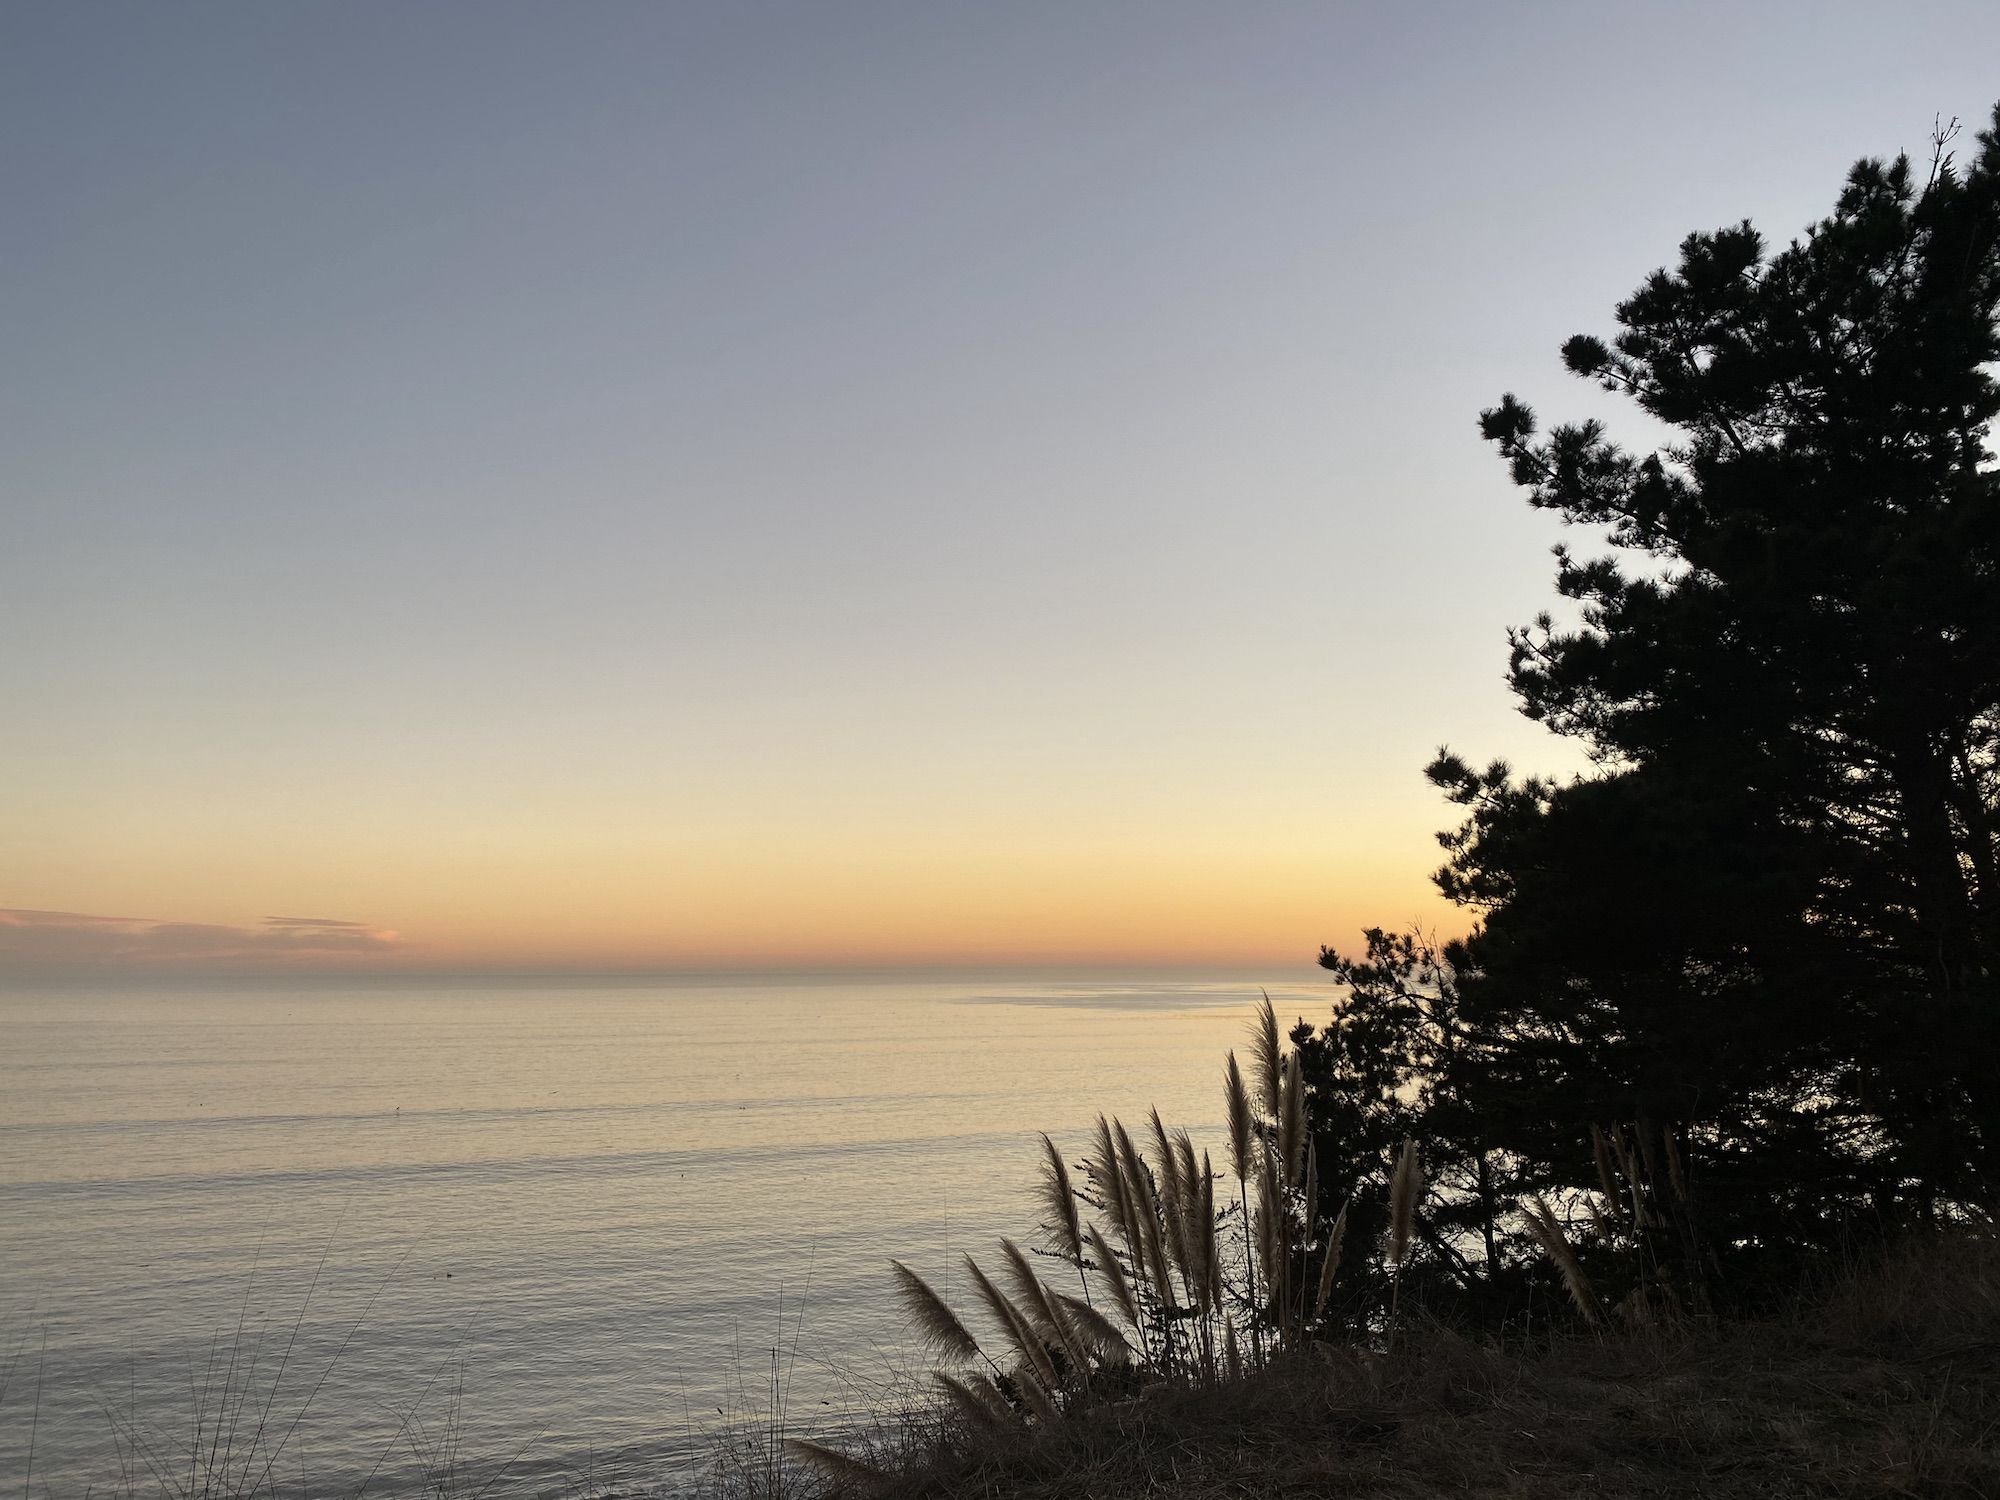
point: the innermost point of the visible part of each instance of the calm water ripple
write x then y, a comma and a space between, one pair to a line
567, 1222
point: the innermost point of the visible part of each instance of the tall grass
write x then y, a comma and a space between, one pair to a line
251, 1394
243, 1418
1187, 1288
1175, 1283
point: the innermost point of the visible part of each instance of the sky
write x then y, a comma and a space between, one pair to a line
515, 487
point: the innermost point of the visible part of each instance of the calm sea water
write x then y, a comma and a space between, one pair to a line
561, 1227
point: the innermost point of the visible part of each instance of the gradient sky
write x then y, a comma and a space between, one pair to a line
617, 485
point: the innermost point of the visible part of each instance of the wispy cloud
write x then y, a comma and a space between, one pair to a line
48, 942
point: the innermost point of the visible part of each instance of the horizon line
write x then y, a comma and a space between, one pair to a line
530, 973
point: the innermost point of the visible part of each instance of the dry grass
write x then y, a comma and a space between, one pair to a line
1888, 1383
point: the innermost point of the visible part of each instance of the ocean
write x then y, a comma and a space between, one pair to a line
531, 1238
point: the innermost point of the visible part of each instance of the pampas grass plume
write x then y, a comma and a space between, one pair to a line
1034, 1395
1150, 1250
1114, 1276
1330, 1264
1059, 1197
978, 1401
936, 1324
1292, 1123
1020, 1332
1267, 1058
836, 1465
1241, 1137
1548, 1233
1211, 1248
1098, 1330
1405, 1188
1039, 1306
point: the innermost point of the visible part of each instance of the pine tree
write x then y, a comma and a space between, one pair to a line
1771, 917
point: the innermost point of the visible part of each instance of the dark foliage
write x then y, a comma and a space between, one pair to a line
1384, 1073
1770, 920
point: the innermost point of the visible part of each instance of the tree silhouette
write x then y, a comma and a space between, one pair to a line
1771, 918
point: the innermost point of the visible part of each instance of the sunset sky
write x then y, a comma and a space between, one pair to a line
499, 486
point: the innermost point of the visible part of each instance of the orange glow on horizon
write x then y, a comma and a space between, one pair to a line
874, 907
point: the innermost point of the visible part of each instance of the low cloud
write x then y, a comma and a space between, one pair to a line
55, 942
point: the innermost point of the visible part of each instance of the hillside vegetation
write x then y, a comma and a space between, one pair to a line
1886, 1383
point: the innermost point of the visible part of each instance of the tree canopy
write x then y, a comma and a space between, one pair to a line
1769, 920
